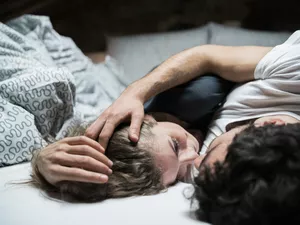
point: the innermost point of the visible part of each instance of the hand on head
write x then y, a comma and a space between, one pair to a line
126, 108
75, 159
82, 158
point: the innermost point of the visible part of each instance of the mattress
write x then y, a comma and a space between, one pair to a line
26, 205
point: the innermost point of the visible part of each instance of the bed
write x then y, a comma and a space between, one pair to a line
136, 55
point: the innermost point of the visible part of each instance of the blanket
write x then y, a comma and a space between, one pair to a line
47, 86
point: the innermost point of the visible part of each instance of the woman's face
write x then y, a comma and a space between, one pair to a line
175, 150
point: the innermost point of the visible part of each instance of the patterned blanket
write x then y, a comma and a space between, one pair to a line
47, 86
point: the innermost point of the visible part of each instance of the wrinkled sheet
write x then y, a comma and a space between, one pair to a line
26, 205
47, 86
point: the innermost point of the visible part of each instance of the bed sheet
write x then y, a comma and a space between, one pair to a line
26, 205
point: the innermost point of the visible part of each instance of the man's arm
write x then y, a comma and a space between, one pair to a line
231, 63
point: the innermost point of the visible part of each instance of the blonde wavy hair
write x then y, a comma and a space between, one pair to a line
134, 170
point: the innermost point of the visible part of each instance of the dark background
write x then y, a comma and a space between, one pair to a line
88, 22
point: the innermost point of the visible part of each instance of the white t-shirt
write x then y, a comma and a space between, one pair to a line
275, 90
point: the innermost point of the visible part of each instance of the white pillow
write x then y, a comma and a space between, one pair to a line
226, 35
138, 54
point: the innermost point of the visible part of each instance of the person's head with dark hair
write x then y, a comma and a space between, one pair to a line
255, 181
163, 155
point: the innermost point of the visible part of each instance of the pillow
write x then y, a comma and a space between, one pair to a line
226, 35
138, 54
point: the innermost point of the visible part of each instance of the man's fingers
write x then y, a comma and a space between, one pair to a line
89, 151
107, 131
83, 140
135, 126
83, 162
95, 128
81, 175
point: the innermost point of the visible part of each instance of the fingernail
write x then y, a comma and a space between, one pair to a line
109, 171
110, 163
103, 177
135, 137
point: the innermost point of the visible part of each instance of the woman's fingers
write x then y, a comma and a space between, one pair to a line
83, 162
83, 140
77, 174
84, 150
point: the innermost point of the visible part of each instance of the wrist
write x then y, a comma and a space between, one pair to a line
138, 91
37, 177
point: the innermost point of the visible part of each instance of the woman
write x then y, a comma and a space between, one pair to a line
164, 154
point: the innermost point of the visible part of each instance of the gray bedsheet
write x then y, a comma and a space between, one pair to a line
47, 86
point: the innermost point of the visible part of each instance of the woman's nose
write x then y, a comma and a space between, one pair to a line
188, 155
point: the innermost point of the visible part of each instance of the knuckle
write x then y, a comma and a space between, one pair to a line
55, 157
110, 121
82, 138
52, 171
61, 147
85, 160
89, 133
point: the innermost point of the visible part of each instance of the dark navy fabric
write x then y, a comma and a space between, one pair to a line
193, 102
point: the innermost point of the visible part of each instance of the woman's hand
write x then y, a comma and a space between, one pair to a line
74, 159
127, 107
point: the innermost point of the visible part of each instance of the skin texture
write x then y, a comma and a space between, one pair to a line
175, 151
75, 159
217, 150
232, 63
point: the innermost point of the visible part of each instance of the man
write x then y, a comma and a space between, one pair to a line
250, 174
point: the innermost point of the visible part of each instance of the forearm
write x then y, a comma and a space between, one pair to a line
231, 63
176, 70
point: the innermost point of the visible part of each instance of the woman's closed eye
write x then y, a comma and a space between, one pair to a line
175, 146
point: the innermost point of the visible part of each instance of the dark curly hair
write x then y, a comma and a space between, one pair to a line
258, 182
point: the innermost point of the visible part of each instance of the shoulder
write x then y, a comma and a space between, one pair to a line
282, 61
294, 38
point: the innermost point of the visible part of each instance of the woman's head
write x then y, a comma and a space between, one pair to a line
163, 154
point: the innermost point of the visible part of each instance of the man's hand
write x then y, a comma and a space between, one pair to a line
126, 108
74, 159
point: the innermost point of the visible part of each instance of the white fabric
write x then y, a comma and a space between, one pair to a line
40, 73
138, 54
23, 204
276, 90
